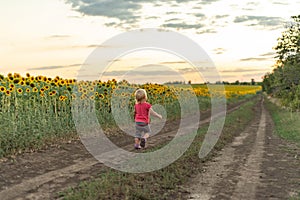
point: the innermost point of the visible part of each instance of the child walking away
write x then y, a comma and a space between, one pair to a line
142, 112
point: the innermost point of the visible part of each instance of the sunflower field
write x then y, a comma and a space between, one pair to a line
37, 110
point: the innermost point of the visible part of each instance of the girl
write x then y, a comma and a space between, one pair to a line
142, 111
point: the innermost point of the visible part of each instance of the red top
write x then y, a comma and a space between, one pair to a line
141, 112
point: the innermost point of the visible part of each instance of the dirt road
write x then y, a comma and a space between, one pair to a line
257, 165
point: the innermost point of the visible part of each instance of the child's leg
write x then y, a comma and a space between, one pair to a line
137, 140
146, 136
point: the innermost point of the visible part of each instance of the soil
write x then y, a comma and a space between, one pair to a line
256, 165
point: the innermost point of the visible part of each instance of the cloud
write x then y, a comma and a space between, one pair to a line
219, 50
53, 67
127, 11
281, 3
172, 13
173, 19
58, 37
245, 70
206, 31
203, 2
122, 10
269, 54
271, 22
182, 25
173, 62
199, 15
221, 16
253, 59
265, 56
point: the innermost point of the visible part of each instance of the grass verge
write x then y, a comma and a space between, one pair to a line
164, 183
287, 123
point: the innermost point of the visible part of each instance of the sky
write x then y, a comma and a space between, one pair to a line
56, 37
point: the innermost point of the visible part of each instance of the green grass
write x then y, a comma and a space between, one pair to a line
287, 123
297, 197
164, 183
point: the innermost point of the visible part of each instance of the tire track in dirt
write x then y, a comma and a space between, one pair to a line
256, 165
220, 176
43, 182
250, 172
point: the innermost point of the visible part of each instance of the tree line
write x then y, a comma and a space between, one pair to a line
283, 81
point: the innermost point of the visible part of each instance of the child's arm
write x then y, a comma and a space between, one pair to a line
152, 112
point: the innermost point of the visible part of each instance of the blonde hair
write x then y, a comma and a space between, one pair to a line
140, 95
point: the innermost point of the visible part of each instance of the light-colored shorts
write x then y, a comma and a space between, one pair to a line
141, 129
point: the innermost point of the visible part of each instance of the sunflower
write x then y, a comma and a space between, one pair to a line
47, 87
27, 90
91, 89
62, 82
35, 89
42, 90
42, 95
63, 98
101, 96
11, 86
7, 93
20, 90
16, 81
2, 89
10, 78
84, 91
69, 88
16, 75
27, 75
92, 97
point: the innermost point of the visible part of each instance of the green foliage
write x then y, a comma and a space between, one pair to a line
284, 81
288, 47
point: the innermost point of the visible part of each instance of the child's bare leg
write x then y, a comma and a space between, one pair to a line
137, 141
146, 136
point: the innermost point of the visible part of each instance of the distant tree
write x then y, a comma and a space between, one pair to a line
190, 82
252, 81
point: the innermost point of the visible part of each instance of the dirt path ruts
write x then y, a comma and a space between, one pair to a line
42, 174
252, 167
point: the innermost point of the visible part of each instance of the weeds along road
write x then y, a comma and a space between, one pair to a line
257, 165
42, 174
